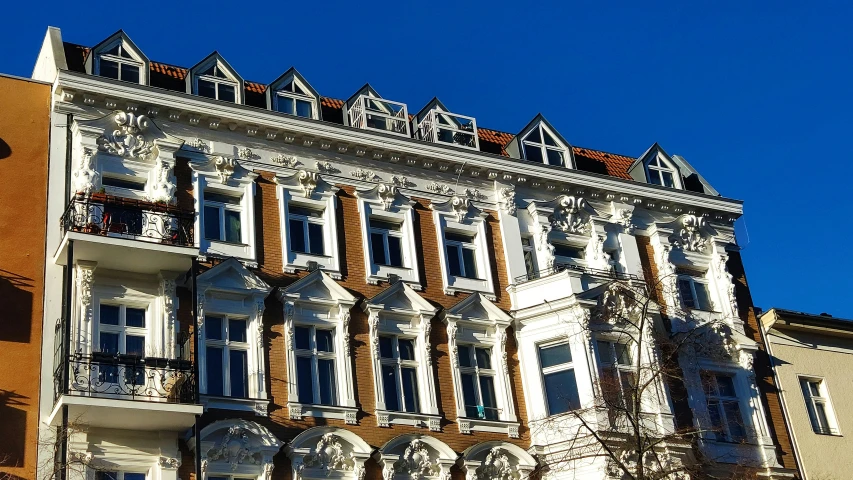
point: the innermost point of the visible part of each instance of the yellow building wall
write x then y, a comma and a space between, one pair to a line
799, 354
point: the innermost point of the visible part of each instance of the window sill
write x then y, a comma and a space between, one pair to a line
451, 291
407, 273
258, 405
297, 411
223, 242
385, 418
469, 425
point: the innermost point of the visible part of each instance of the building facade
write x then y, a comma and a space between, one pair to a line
24, 128
811, 356
257, 281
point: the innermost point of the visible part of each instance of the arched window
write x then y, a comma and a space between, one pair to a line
540, 145
660, 173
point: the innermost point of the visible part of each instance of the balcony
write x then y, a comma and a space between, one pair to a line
104, 226
561, 267
117, 390
372, 113
448, 128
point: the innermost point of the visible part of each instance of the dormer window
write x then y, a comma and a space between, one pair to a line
660, 173
118, 63
293, 100
213, 83
435, 124
541, 146
367, 110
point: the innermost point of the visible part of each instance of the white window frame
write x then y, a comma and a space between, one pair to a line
542, 129
811, 400
660, 166
280, 93
385, 233
399, 209
321, 196
460, 246
222, 208
471, 224
528, 248
577, 242
315, 355
122, 329
357, 113
227, 345
119, 474
720, 399
410, 322
609, 361
217, 81
136, 61
240, 184
398, 363
572, 365
692, 279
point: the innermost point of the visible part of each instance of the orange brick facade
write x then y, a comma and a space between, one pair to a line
24, 135
352, 269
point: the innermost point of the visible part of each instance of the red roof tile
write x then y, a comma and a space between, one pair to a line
615, 165
255, 87
331, 102
169, 70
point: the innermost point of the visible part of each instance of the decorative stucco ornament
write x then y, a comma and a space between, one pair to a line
86, 179
233, 448
416, 461
386, 194
568, 215
460, 207
308, 182
329, 455
506, 200
497, 466
225, 168
162, 188
127, 140
690, 236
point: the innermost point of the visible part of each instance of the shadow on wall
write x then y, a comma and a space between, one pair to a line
5, 149
16, 307
13, 441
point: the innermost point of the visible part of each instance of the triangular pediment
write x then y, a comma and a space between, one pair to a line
477, 307
400, 297
317, 285
231, 275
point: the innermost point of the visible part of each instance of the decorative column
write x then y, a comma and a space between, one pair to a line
81, 339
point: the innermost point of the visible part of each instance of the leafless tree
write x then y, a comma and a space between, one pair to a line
51, 463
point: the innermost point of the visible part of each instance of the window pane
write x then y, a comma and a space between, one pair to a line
605, 356
469, 262
324, 341
654, 177
490, 402
377, 248
134, 345
297, 236
726, 386
134, 317
561, 391
814, 388
623, 354
109, 342
237, 330
210, 196
563, 250
303, 211
239, 374
389, 385
407, 349
823, 422
326, 372
533, 153
386, 347
383, 225
464, 356
106, 475
232, 227
315, 238
555, 157
716, 419
302, 337
135, 476
206, 89
395, 252
484, 358
303, 108
109, 314
549, 140
703, 298
130, 73
556, 355
684, 288
733, 420
211, 223
469, 396
285, 105
458, 237
109, 69
215, 377
410, 389
226, 92
304, 382
213, 328
667, 179
453, 265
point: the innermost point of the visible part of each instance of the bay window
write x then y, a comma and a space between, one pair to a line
227, 356
558, 378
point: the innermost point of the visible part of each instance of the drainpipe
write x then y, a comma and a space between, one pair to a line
69, 120
782, 401
196, 428
66, 343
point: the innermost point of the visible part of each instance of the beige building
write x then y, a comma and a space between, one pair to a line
812, 357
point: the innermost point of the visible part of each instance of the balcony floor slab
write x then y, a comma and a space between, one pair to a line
125, 414
118, 253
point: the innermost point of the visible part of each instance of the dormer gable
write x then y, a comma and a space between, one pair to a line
119, 58
369, 111
292, 94
656, 167
231, 276
435, 123
540, 142
215, 78
402, 299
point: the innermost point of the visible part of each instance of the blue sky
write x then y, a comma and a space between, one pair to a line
756, 98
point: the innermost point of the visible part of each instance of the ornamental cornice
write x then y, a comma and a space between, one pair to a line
383, 147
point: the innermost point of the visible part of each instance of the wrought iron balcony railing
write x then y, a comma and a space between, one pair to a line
107, 215
560, 267
126, 377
